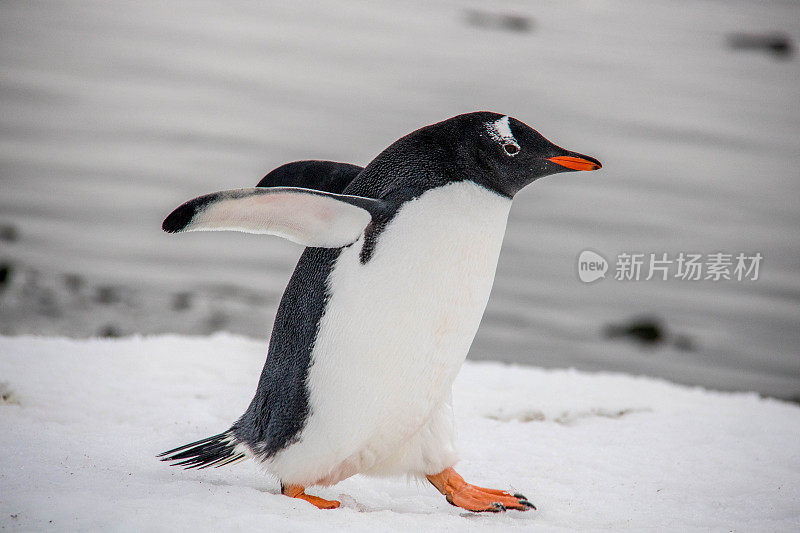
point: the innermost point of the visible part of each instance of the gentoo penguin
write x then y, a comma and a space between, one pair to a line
382, 307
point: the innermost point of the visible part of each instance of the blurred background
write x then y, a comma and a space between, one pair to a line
112, 114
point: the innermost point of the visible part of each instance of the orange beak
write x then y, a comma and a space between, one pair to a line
576, 163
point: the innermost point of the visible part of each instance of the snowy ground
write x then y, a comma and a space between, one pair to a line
81, 422
114, 113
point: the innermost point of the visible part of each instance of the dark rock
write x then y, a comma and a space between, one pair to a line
646, 331
8, 233
181, 301
106, 295
6, 394
518, 23
501, 21
777, 44
109, 331
5, 274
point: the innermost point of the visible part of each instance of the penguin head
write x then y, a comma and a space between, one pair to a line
509, 154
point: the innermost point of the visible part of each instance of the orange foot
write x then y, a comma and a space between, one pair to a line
296, 491
473, 498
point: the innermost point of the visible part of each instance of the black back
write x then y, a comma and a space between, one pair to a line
327, 176
280, 407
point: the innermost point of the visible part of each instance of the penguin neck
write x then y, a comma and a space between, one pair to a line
459, 212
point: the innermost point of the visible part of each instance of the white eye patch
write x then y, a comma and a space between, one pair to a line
500, 131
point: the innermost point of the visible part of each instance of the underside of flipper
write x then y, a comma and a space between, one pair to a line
308, 217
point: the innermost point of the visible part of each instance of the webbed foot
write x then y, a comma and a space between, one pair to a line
477, 499
296, 491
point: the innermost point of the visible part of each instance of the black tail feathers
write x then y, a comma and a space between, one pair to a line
215, 451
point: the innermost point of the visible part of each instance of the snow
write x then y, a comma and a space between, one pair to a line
82, 420
115, 113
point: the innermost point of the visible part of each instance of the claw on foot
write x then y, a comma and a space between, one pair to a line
477, 499
297, 491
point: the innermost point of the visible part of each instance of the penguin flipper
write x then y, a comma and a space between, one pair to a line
308, 217
327, 176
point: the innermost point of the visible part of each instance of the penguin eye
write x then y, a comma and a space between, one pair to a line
511, 149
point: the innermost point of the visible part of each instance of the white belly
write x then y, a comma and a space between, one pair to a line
394, 335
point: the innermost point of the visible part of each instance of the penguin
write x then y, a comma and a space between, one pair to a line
382, 306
